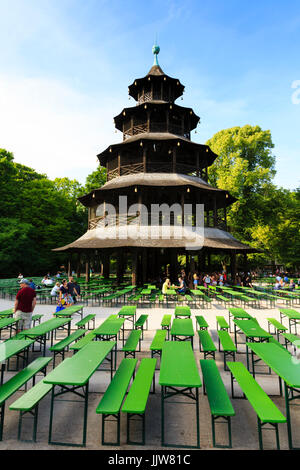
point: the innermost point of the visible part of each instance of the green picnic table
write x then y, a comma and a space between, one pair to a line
128, 312
8, 324
7, 313
238, 314
73, 375
179, 375
109, 330
293, 317
10, 348
69, 311
182, 311
39, 333
253, 332
182, 330
287, 367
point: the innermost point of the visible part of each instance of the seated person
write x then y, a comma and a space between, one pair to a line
166, 286
182, 286
55, 290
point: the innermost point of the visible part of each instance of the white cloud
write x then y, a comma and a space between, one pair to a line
54, 128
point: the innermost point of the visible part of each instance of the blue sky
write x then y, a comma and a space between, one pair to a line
66, 66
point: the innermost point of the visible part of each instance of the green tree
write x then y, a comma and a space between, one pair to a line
263, 214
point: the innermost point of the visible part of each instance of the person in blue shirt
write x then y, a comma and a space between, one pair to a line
32, 284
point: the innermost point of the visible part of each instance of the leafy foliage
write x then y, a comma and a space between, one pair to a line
264, 216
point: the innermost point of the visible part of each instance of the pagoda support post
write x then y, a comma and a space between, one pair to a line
174, 160
69, 265
120, 265
134, 276
106, 264
87, 267
144, 266
233, 266
246, 268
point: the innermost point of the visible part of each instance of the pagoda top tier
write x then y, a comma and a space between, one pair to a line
156, 85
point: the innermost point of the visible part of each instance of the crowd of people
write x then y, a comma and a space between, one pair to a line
193, 280
283, 281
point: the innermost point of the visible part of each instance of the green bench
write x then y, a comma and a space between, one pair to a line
279, 327
201, 323
63, 346
206, 344
36, 319
139, 324
228, 346
132, 341
83, 341
222, 323
250, 301
223, 299
17, 381
290, 338
111, 402
86, 320
28, 404
267, 412
158, 342
166, 323
136, 401
219, 402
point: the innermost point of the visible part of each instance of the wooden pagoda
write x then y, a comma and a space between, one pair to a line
156, 163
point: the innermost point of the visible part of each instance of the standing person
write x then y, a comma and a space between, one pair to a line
77, 287
206, 280
64, 297
71, 289
195, 280
24, 305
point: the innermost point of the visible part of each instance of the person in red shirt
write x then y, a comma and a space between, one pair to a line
24, 305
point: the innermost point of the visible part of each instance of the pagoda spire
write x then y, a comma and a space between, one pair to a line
155, 51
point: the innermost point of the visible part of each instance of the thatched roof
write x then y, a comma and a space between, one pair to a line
156, 180
139, 236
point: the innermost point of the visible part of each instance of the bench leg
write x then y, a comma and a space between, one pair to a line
141, 418
2, 409
228, 421
260, 440
34, 413
117, 420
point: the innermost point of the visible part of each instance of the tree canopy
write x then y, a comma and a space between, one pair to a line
37, 214
264, 216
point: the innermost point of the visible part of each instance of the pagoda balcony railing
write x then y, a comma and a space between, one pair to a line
126, 219
151, 167
152, 96
155, 127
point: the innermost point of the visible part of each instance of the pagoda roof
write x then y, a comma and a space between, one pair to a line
160, 136
165, 104
156, 180
140, 236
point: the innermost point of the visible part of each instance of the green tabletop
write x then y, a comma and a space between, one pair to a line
111, 327
4, 322
170, 292
252, 329
78, 369
127, 310
178, 365
280, 361
69, 310
7, 313
290, 313
146, 292
10, 348
45, 327
197, 293
183, 311
239, 313
182, 327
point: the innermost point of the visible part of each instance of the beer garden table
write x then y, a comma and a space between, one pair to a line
10, 348
292, 315
287, 367
128, 312
252, 331
73, 374
182, 330
39, 333
109, 330
179, 375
